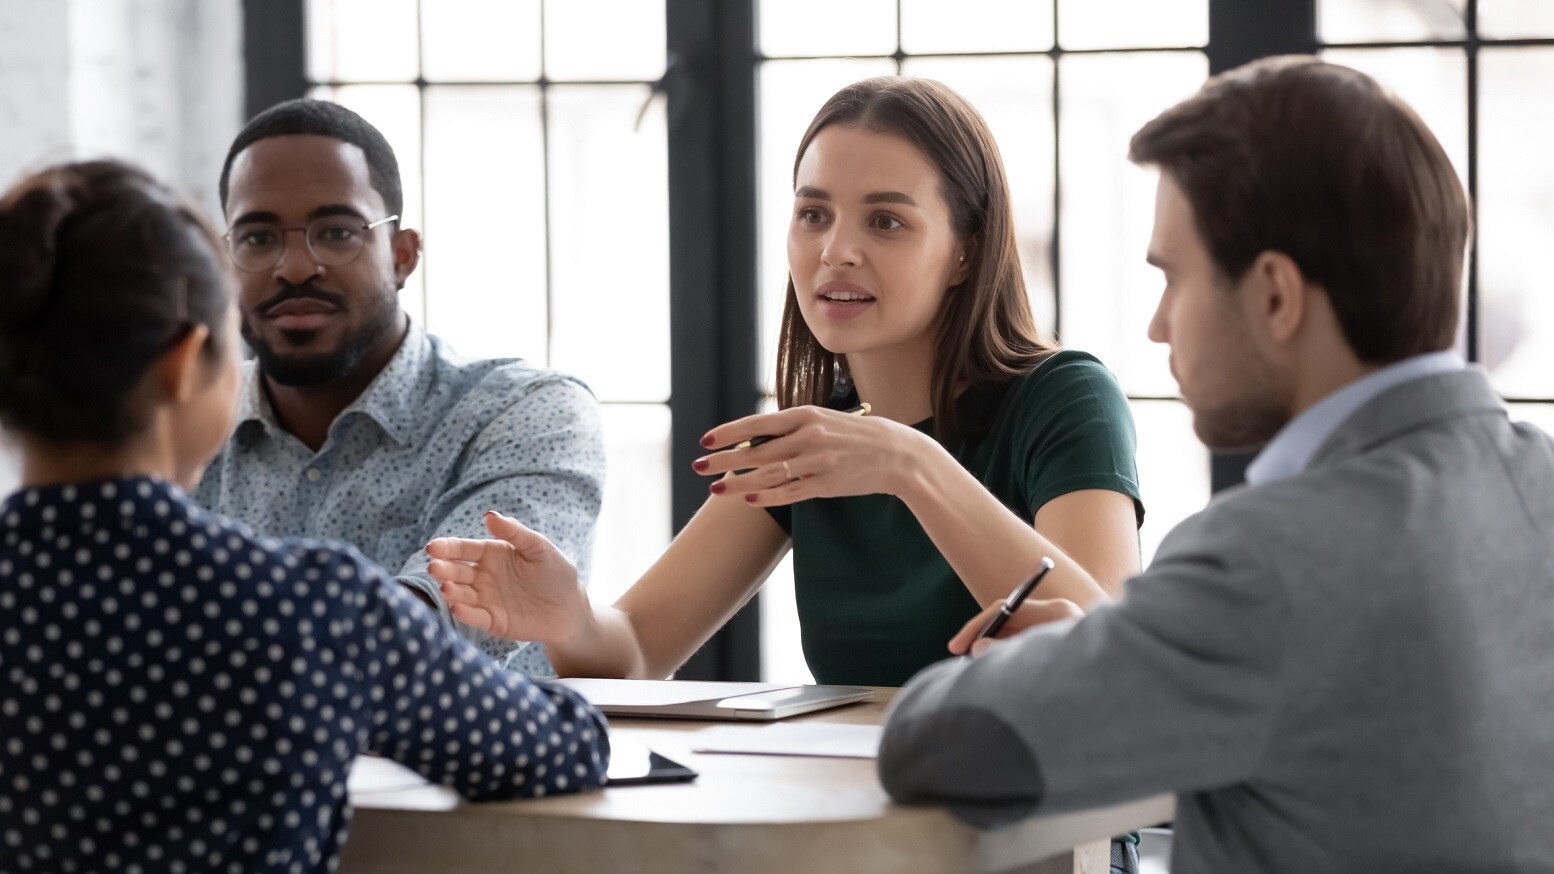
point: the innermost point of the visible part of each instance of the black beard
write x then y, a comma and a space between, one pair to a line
309, 371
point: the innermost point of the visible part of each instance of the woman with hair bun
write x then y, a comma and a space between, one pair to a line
177, 693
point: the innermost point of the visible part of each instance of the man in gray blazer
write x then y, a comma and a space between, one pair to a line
1347, 664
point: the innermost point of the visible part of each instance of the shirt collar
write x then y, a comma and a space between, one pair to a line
392, 399
1288, 453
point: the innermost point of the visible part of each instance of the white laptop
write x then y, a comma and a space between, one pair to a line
688, 699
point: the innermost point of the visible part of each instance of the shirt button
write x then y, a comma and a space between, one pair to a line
313, 474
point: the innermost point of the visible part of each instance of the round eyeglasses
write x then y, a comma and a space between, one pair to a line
332, 240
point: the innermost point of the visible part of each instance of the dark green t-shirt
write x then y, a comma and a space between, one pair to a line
876, 600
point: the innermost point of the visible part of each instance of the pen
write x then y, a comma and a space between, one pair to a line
860, 410
1013, 602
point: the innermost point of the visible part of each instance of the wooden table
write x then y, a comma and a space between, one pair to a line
744, 813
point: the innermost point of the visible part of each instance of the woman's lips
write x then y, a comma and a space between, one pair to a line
844, 300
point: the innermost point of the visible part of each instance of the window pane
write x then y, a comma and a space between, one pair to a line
1123, 24
634, 525
1173, 469
485, 233
609, 224
629, 46
782, 649
791, 93
1390, 20
1433, 81
1541, 415
812, 28
1510, 19
481, 40
1109, 293
1015, 96
395, 110
361, 40
1516, 219
976, 26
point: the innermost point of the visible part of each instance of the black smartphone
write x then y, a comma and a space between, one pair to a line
633, 764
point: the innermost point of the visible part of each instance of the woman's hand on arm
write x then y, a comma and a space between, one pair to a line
820, 453
816, 453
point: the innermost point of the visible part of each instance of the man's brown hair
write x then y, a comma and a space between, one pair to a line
1319, 162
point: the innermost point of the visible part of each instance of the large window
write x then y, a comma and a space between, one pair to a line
534, 163
1062, 85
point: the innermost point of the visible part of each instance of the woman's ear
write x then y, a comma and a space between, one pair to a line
963, 254
178, 372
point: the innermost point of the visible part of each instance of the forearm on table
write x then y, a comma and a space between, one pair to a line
605, 645
990, 548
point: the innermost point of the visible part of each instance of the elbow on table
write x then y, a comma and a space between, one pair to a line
970, 761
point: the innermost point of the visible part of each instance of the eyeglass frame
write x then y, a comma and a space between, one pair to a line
307, 241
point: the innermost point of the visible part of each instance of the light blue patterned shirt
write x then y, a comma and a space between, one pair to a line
433, 443
1288, 453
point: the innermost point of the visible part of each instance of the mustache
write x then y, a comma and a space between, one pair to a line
309, 289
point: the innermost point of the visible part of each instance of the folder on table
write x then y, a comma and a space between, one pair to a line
686, 699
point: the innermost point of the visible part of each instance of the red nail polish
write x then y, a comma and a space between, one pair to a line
750, 498
717, 488
707, 441
700, 464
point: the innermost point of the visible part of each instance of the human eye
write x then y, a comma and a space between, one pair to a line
336, 233
886, 222
255, 236
809, 215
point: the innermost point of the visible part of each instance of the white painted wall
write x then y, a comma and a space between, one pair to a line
155, 82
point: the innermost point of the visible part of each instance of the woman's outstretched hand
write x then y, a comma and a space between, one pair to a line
517, 586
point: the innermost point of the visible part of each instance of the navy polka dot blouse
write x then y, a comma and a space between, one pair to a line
177, 694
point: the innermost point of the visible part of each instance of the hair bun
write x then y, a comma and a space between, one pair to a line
30, 224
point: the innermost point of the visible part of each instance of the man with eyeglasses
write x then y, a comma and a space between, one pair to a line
355, 425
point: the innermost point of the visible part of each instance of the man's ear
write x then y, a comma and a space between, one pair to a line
177, 372
406, 249
1277, 293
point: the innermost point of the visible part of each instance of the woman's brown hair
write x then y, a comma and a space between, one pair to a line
985, 330
101, 268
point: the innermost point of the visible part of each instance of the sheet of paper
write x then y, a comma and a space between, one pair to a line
658, 693
375, 774
823, 739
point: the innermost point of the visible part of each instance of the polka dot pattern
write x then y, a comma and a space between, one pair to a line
427, 449
178, 694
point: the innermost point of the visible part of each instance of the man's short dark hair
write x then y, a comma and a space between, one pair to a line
325, 119
1319, 162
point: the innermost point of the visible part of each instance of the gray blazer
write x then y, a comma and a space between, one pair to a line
1349, 670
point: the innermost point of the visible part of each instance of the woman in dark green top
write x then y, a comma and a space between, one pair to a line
984, 450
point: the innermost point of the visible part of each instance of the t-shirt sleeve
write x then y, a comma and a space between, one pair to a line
1072, 419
